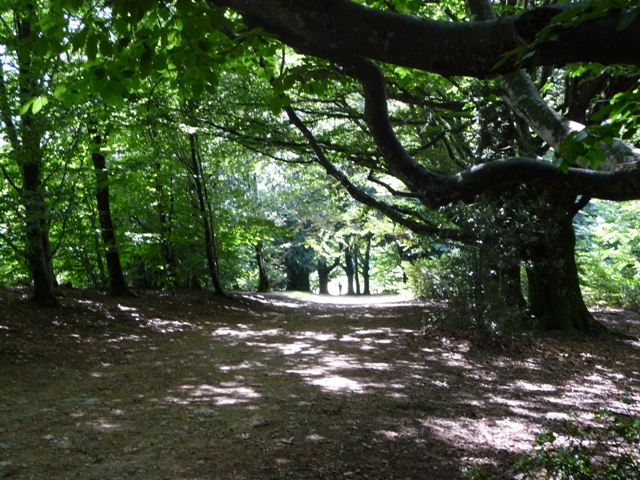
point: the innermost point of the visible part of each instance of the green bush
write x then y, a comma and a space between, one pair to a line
608, 451
608, 253
474, 286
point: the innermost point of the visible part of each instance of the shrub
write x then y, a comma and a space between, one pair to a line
608, 451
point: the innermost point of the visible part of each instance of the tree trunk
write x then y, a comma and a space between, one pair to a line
365, 265
324, 271
348, 269
356, 274
117, 283
34, 210
29, 157
299, 263
103, 276
164, 219
263, 284
297, 279
555, 298
210, 247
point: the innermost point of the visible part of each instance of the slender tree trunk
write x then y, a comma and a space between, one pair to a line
210, 248
511, 286
356, 270
117, 283
263, 284
164, 219
365, 265
99, 261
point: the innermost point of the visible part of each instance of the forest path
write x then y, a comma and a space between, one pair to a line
268, 386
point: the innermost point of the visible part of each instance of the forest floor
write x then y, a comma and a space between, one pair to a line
268, 387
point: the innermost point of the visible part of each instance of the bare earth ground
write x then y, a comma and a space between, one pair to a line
267, 387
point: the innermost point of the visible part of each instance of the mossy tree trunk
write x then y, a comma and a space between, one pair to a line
555, 297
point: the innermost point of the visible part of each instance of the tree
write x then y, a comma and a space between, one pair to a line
117, 283
191, 44
25, 78
434, 189
324, 271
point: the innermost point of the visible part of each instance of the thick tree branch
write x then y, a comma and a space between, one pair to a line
447, 48
365, 198
524, 98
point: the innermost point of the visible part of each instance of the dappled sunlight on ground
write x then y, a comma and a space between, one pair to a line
277, 387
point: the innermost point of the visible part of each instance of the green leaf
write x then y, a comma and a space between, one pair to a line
581, 135
629, 133
25, 108
146, 62
38, 103
627, 19
79, 39
597, 158
76, 5
106, 47
275, 105
91, 48
60, 90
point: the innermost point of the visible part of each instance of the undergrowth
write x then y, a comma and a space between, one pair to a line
607, 450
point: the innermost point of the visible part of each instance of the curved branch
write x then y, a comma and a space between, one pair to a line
444, 47
365, 198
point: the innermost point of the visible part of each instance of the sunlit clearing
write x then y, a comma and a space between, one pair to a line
319, 336
127, 309
245, 332
131, 338
243, 366
504, 434
227, 393
286, 348
356, 300
168, 326
338, 384
103, 425
531, 387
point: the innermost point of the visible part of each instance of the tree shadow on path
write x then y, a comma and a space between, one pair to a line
269, 386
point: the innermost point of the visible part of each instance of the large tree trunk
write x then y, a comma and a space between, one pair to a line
298, 263
324, 271
555, 298
35, 252
117, 283
297, 279
30, 159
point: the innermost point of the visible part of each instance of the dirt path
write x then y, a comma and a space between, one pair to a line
267, 387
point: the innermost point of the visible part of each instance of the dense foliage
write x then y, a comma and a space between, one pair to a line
229, 144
